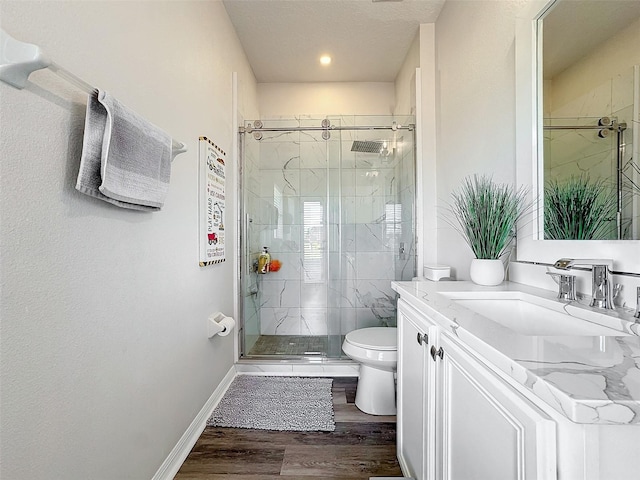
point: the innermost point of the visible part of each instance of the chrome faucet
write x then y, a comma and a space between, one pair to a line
637, 314
601, 286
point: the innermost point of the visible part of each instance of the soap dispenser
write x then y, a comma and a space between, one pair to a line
264, 260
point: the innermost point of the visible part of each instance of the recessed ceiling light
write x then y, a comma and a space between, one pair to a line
325, 60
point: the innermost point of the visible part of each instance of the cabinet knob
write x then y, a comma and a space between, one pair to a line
422, 337
436, 353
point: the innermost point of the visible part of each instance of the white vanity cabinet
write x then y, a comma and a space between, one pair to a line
456, 419
415, 387
485, 429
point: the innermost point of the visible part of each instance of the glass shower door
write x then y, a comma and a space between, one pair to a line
285, 199
371, 224
339, 220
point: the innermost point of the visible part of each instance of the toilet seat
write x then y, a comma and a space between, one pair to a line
374, 338
373, 346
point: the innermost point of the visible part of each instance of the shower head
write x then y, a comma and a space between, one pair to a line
381, 147
369, 146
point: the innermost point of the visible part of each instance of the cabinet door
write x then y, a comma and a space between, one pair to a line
487, 431
414, 386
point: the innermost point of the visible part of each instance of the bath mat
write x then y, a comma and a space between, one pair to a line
276, 403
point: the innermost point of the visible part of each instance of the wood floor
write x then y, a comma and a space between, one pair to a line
362, 446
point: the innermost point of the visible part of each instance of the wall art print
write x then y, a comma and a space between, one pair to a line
211, 164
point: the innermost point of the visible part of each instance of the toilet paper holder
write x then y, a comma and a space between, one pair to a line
219, 324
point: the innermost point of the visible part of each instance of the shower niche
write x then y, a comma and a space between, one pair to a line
333, 200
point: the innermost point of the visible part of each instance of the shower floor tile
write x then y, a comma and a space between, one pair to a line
290, 345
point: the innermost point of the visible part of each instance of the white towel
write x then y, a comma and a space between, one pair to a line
125, 160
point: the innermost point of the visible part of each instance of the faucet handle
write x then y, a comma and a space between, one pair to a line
566, 285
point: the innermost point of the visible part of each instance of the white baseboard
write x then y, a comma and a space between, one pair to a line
173, 462
403, 465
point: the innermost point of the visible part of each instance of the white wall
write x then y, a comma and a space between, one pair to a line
105, 359
331, 98
427, 155
475, 106
405, 84
614, 57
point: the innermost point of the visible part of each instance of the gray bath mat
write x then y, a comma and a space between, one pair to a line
276, 403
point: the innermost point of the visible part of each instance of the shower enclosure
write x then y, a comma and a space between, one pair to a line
333, 200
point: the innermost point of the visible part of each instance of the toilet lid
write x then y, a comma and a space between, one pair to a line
378, 338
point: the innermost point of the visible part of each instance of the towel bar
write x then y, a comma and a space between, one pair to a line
18, 60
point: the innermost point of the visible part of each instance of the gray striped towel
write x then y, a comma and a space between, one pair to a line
125, 160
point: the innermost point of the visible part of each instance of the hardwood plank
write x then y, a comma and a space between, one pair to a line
357, 433
345, 382
350, 413
346, 433
339, 396
333, 460
349, 384
233, 460
223, 476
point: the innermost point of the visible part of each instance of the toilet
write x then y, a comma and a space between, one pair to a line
376, 350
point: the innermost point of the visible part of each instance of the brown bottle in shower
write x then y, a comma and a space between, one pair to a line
263, 261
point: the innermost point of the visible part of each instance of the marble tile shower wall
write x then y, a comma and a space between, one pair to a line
332, 217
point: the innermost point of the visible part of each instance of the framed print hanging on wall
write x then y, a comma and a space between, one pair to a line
211, 203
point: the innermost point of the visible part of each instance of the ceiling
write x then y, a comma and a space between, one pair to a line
367, 39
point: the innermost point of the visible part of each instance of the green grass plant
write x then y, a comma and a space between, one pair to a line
486, 214
578, 209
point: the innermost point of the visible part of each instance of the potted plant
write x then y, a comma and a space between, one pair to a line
485, 215
579, 209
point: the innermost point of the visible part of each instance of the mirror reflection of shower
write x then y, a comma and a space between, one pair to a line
588, 160
333, 199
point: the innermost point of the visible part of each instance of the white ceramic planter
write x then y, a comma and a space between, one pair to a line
486, 272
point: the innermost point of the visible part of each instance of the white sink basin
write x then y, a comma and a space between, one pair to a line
530, 315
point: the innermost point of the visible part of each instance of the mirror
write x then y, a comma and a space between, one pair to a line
531, 246
591, 171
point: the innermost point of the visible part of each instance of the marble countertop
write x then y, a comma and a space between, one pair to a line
588, 379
